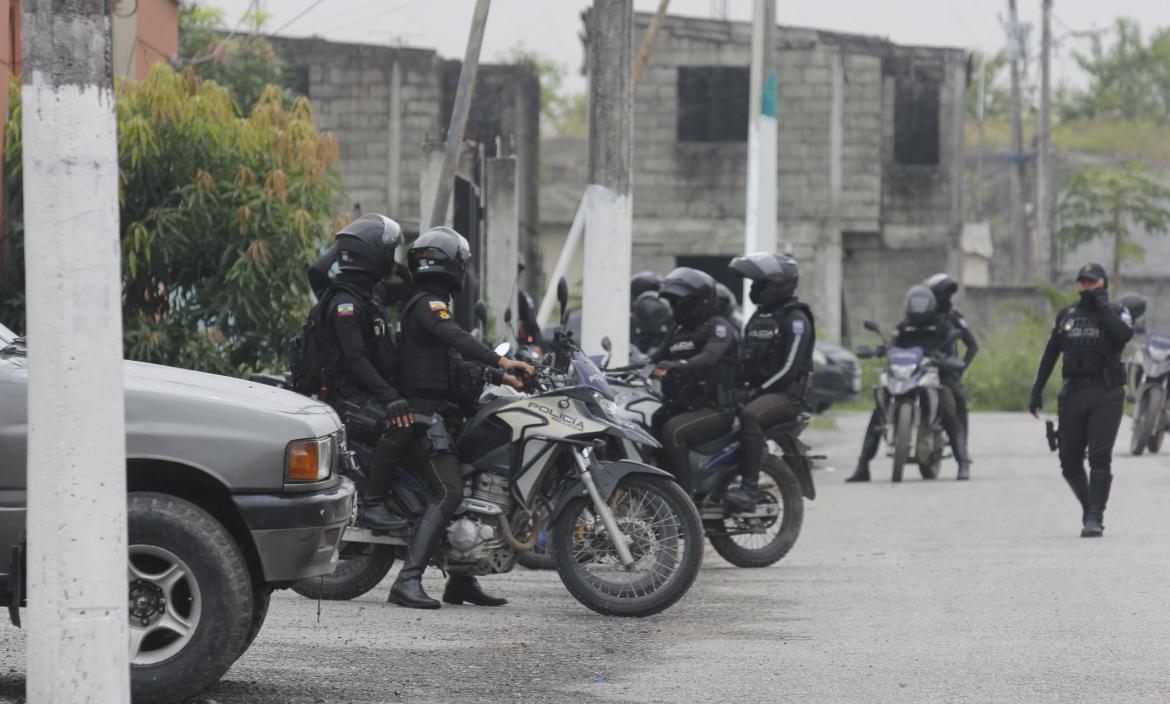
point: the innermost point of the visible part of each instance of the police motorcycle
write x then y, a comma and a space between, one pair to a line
909, 398
745, 539
1151, 377
625, 539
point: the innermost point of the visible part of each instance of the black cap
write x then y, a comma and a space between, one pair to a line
1091, 272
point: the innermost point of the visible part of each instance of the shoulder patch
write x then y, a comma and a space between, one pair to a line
438, 305
798, 327
444, 315
721, 331
962, 322
344, 310
1126, 317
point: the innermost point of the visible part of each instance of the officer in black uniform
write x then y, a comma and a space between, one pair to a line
1091, 334
923, 326
358, 351
389, 292
697, 366
642, 282
944, 287
776, 365
432, 353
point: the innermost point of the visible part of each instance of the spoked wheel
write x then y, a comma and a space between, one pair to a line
664, 537
1145, 419
540, 557
903, 416
769, 533
361, 568
930, 451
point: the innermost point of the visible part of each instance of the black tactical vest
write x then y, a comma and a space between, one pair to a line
766, 340
377, 335
427, 367
1088, 351
687, 390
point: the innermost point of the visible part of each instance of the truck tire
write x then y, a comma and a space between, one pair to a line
191, 598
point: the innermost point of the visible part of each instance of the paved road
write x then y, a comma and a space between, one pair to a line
920, 592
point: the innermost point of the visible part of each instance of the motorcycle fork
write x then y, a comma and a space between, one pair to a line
584, 459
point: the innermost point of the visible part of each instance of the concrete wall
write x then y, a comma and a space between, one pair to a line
689, 197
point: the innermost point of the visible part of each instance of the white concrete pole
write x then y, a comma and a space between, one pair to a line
77, 621
609, 208
831, 250
762, 191
502, 252
568, 251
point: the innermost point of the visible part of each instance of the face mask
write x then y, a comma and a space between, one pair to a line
756, 294
1089, 299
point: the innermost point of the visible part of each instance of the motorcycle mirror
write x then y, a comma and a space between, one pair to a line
563, 299
481, 313
864, 352
508, 315
503, 349
871, 326
606, 344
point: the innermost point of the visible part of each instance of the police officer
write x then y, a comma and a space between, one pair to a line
358, 350
432, 352
388, 291
642, 282
922, 326
944, 287
776, 365
697, 366
1091, 335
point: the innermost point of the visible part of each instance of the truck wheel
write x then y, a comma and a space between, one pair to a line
261, 596
191, 599
361, 568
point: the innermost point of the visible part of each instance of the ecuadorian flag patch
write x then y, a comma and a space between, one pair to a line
438, 305
344, 310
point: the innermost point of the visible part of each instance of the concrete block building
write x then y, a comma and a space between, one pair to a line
871, 159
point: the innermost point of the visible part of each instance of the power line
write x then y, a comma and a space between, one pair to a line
211, 54
299, 15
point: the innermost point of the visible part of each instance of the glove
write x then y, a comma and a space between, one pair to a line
1036, 402
672, 364
397, 408
1101, 295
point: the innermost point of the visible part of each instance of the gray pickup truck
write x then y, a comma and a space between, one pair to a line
233, 492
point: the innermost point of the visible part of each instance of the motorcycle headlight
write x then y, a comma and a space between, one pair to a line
1158, 355
309, 460
902, 371
609, 408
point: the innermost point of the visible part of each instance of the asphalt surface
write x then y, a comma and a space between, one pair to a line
919, 592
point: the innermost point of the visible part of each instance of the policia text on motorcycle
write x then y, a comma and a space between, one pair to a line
1091, 335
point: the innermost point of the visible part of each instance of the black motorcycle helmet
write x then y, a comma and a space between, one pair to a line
439, 253
644, 281
774, 276
944, 287
650, 318
920, 305
1134, 303
725, 301
367, 245
691, 294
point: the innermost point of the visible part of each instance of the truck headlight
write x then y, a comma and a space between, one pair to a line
309, 460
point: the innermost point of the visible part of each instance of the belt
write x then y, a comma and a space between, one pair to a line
1085, 381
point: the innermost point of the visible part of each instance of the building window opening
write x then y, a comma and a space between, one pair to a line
713, 103
916, 122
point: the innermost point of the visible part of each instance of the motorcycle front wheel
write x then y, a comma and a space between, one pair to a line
665, 538
360, 569
903, 418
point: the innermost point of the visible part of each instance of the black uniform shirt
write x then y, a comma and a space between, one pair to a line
777, 349
359, 349
1091, 337
432, 344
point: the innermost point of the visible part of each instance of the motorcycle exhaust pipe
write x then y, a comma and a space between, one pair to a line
506, 527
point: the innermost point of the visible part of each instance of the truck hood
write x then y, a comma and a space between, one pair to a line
216, 389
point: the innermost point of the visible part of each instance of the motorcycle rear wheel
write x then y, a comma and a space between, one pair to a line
903, 417
1157, 429
778, 485
1145, 418
666, 540
353, 577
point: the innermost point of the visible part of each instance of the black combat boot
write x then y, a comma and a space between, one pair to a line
407, 590
861, 474
752, 449
1079, 484
462, 588
377, 517
959, 448
1099, 484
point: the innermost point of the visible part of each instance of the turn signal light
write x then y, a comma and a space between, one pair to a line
309, 460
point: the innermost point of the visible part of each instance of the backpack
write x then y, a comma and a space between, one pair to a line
306, 361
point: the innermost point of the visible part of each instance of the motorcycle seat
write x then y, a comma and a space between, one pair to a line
712, 447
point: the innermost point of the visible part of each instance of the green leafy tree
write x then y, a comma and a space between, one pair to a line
564, 112
244, 63
1106, 201
220, 217
1129, 77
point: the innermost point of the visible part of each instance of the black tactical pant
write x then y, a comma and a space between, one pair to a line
763, 412
428, 450
682, 432
959, 396
1090, 415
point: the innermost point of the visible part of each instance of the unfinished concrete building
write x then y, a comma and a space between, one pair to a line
871, 159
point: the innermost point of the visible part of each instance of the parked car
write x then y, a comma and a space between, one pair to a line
233, 492
836, 376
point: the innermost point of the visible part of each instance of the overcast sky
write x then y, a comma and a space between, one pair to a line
551, 26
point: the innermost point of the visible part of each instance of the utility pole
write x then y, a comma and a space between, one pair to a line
1019, 223
648, 41
460, 110
1043, 239
77, 632
608, 206
762, 194
980, 116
